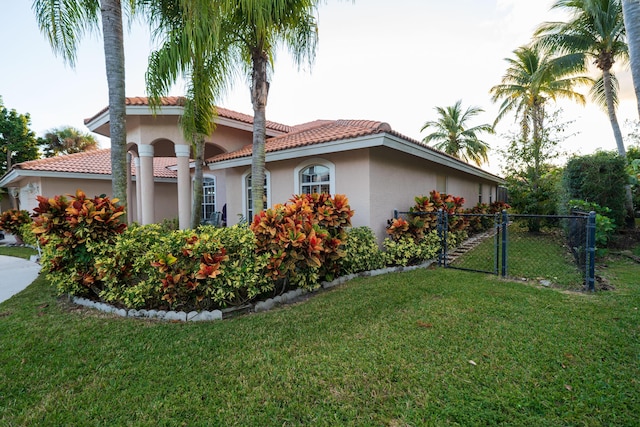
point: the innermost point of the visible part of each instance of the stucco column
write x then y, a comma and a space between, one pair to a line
146, 182
184, 185
129, 190
138, 212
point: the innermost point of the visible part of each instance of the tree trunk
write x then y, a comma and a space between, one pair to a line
538, 126
196, 210
611, 109
114, 61
259, 94
631, 13
9, 152
628, 202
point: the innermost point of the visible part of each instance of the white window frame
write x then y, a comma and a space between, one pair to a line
215, 194
245, 205
446, 183
297, 183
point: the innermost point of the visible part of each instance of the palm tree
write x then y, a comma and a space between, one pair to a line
65, 22
258, 27
531, 80
631, 13
200, 58
243, 35
67, 140
454, 138
595, 33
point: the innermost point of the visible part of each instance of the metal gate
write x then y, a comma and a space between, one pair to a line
513, 245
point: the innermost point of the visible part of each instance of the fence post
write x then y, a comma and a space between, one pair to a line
496, 243
445, 229
440, 237
590, 273
505, 220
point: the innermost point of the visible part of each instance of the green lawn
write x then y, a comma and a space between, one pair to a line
18, 251
533, 256
428, 347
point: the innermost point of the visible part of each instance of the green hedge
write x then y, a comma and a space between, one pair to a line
598, 178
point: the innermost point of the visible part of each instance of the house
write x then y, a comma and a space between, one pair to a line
89, 171
377, 168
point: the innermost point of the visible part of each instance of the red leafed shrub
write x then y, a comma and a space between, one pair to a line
481, 223
423, 219
12, 221
186, 276
303, 238
72, 230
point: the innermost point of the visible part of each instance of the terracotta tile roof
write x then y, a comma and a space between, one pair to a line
93, 162
312, 133
178, 101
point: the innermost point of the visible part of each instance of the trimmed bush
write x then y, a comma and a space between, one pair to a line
361, 252
13, 221
74, 231
201, 269
599, 178
303, 238
485, 222
409, 251
422, 218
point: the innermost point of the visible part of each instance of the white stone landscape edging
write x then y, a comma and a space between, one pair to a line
260, 306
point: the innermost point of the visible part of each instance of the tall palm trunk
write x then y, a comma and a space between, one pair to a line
611, 109
196, 210
259, 94
631, 13
628, 202
111, 11
538, 126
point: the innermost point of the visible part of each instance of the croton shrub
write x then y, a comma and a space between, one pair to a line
423, 216
361, 251
13, 220
303, 238
201, 269
415, 239
488, 212
74, 229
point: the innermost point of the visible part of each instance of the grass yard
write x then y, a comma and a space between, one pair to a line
429, 347
18, 251
530, 255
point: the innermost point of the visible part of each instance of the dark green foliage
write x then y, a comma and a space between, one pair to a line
67, 140
633, 159
17, 142
598, 178
604, 226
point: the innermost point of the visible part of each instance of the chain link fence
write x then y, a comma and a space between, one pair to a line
549, 249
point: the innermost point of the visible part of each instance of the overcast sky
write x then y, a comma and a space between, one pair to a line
377, 59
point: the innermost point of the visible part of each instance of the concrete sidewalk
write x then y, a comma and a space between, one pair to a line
15, 273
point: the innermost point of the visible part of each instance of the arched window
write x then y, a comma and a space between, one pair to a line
315, 176
208, 197
247, 200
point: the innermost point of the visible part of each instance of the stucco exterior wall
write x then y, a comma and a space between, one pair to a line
351, 177
376, 181
146, 129
397, 178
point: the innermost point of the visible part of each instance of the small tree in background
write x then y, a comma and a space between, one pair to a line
66, 140
532, 178
17, 142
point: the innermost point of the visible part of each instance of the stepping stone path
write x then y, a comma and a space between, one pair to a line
469, 244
